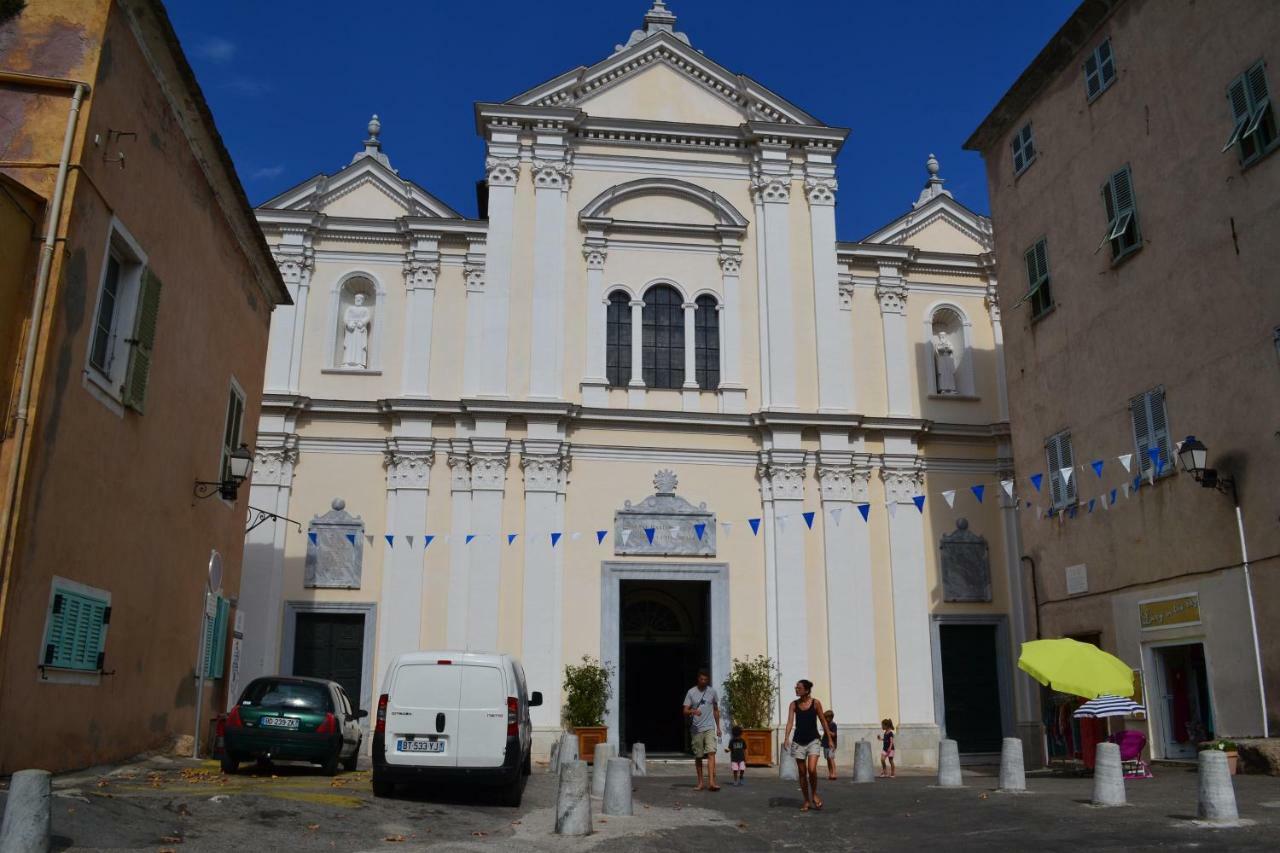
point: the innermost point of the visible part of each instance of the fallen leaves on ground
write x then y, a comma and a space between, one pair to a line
395, 839
313, 826
102, 783
479, 834
172, 839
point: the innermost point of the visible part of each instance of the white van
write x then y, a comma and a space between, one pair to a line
454, 716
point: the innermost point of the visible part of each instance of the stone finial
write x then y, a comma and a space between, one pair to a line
933, 186
664, 482
659, 19
931, 164
373, 144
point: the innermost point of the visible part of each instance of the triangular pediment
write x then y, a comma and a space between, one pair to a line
365, 189
941, 224
728, 98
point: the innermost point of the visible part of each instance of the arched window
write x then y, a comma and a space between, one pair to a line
663, 339
357, 302
618, 339
706, 354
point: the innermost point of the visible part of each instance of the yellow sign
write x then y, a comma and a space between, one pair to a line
1170, 611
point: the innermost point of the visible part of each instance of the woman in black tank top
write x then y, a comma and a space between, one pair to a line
805, 717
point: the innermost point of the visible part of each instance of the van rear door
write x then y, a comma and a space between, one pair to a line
422, 715
482, 716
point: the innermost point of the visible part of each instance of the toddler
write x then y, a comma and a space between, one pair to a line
737, 750
886, 750
829, 743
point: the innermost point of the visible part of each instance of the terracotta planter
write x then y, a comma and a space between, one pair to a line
1233, 759
759, 747
588, 737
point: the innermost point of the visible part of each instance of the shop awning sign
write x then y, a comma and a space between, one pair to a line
1167, 612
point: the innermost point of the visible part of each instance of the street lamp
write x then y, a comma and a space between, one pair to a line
239, 464
1194, 458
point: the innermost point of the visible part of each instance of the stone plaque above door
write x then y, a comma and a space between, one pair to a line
966, 567
664, 524
335, 549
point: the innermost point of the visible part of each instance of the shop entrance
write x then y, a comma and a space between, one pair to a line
665, 634
971, 686
1182, 697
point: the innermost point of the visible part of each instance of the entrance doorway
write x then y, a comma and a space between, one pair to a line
331, 646
1186, 714
665, 638
971, 694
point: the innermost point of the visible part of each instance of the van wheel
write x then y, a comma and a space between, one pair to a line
330, 765
349, 764
511, 794
230, 764
527, 769
382, 787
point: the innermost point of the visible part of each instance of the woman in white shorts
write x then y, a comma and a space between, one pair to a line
805, 716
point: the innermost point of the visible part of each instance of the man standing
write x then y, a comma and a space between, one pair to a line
702, 707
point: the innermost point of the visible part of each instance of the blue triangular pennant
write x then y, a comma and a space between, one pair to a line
555, 537
351, 537
918, 500
977, 491
648, 534
312, 536
1137, 482
1097, 467
1071, 513
1036, 480
511, 537
808, 519
600, 534
470, 536
755, 526
1113, 497
1092, 501
391, 540
700, 529
427, 540
865, 509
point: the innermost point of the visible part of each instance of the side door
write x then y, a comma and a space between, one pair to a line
422, 728
482, 716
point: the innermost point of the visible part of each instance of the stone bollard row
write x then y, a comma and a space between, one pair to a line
638, 760
573, 800
1013, 775
553, 763
1217, 795
1108, 776
27, 816
599, 761
617, 787
863, 768
949, 765
568, 749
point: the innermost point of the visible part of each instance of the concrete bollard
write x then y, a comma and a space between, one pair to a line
1013, 774
1108, 776
637, 760
949, 765
599, 759
863, 768
786, 764
27, 818
1217, 795
617, 787
568, 749
573, 803
553, 762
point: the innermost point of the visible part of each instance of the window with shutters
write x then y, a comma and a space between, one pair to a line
1059, 457
706, 356
662, 341
109, 359
215, 639
75, 629
1099, 70
1253, 131
1122, 216
1024, 149
618, 339
1038, 292
232, 429
1151, 438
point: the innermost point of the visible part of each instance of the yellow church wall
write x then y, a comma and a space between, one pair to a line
365, 201
647, 95
938, 236
448, 334
519, 331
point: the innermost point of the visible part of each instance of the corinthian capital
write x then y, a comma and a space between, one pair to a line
730, 263
771, 188
474, 276
489, 471
295, 264
421, 273
544, 472
552, 174
892, 296
840, 479
273, 464
594, 256
781, 477
408, 465
501, 172
902, 484
820, 191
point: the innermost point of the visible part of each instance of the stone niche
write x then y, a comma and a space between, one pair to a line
966, 565
335, 549
674, 521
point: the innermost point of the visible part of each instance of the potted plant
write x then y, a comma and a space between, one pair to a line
586, 693
1227, 746
749, 693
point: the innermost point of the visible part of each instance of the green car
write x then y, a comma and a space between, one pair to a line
293, 719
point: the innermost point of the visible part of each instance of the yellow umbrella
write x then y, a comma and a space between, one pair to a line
1070, 666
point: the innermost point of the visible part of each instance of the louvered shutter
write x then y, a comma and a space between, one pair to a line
142, 344
206, 665
1256, 82
1054, 458
74, 638
1157, 417
1140, 413
1238, 97
1068, 459
1123, 189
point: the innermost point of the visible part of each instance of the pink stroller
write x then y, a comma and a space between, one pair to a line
1131, 743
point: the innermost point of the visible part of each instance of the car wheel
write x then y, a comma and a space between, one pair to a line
349, 764
330, 765
230, 764
382, 787
511, 794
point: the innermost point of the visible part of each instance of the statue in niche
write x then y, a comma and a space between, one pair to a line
944, 361
355, 341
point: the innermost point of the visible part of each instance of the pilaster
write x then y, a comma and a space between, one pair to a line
771, 183
552, 174
488, 463
421, 269
904, 480
781, 474
545, 463
473, 355
834, 333
296, 262
595, 382
502, 171
459, 460
891, 291
408, 464
733, 394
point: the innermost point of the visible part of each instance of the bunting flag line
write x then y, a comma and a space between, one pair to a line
865, 509
470, 536
1126, 459
1066, 475
808, 519
1039, 513
1105, 504
1113, 497
409, 539
626, 536
1007, 485
648, 532
1073, 511
369, 536
351, 537
311, 534
727, 527
755, 526
977, 491
675, 531
446, 538
390, 540
781, 521
892, 507
1125, 486
1097, 467
1036, 480
836, 513
575, 536
1092, 501
600, 534
950, 497
511, 537
918, 500
555, 538
701, 530
427, 540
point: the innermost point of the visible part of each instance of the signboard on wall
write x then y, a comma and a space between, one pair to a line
1077, 579
1167, 612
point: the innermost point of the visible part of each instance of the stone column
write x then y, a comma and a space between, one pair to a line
997, 332
772, 185
262, 572
421, 269
459, 550
595, 382
502, 168
552, 172
781, 474
1026, 693
891, 290
473, 354
545, 463
489, 460
733, 394
408, 463
689, 393
635, 394
288, 322
834, 338
851, 636
903, 481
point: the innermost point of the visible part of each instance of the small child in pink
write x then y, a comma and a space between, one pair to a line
737, 750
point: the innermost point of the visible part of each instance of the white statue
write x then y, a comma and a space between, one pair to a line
355, 342
944, 363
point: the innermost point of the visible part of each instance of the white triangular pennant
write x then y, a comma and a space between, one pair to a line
446, 538
1007, 485
835, 515
727, 527
576, 535
781, 521
950, 497
1039, 513
1126, 489
1105, 503
1066, 475
675, 531
1126, 460
626, 535
892, 506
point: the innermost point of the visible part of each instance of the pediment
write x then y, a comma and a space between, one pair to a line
940, 225
365, 189
730, 98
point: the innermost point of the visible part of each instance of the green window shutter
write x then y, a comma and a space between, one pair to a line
206, 665
1256, 83
220, 638
74, 638
1238, 98
142, 344
1054, 458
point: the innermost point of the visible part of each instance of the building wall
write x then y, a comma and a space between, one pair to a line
106, 499
1194, 310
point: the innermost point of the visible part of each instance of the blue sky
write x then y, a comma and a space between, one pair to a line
292, 82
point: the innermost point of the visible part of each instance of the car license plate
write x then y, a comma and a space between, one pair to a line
420, 746
279, 722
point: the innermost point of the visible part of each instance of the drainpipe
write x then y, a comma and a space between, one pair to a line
78, 92
1035, 591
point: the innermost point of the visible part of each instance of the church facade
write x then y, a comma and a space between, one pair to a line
647, 408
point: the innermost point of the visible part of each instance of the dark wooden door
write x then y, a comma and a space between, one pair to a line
971, 686
331, 645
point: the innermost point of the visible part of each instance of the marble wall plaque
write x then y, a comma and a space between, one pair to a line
335, 549
966, 565
674, 522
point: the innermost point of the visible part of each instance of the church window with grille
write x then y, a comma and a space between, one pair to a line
662, 342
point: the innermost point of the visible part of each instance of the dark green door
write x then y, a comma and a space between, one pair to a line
971, 686
331, 646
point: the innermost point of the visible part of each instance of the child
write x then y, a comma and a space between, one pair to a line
737, 750
829, 744
886, 750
